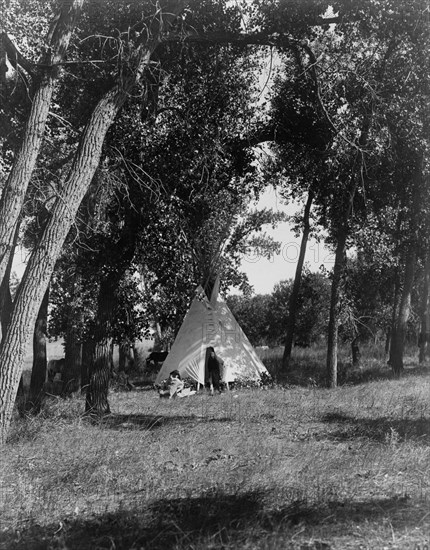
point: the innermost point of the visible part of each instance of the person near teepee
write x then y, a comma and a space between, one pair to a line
215, 366
174, 385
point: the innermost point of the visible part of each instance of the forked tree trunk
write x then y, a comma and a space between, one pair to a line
400, 326
39, 370
333, 325
46, 252
42, 261
25, 159
424, 336
292, 303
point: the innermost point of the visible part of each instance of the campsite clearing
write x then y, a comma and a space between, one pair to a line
283, 467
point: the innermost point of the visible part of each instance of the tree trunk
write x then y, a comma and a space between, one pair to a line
42, 261
46, 252
332, 337
97, 403
292, 305
399, 329
39, 370
424, 336
100, 370
15, 189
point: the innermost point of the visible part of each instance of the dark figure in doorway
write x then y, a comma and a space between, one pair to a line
214, 367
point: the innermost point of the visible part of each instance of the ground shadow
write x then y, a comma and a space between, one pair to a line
214, 520
385, 430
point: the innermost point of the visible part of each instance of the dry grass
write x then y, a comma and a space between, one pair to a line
289, 467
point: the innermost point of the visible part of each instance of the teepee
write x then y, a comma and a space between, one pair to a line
211, 323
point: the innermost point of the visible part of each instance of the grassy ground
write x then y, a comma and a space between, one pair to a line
287, 467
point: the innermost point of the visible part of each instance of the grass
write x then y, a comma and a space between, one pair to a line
287, 467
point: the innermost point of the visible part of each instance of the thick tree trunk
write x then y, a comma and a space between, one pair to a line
399, 329
39, 370
42, 261
100, 370
292, 304
332, 337
97, 403
424, 336
25, 160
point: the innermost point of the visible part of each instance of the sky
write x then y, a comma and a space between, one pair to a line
263, 274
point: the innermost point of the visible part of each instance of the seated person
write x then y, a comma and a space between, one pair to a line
173, 386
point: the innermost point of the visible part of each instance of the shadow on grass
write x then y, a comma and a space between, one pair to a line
152, 421
213, 520
383, 429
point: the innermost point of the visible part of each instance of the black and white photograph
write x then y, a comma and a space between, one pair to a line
214, 275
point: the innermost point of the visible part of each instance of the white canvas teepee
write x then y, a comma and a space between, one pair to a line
211, 323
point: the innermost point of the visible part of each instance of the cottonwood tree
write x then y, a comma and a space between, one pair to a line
42, 261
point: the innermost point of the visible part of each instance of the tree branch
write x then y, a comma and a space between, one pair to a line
15, 57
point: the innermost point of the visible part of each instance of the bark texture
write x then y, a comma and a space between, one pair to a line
25, 160
97, 403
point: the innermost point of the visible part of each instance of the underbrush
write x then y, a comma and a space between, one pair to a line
308, 366
277, 467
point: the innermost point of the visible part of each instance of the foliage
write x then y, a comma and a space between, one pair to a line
263, 318
253, 315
